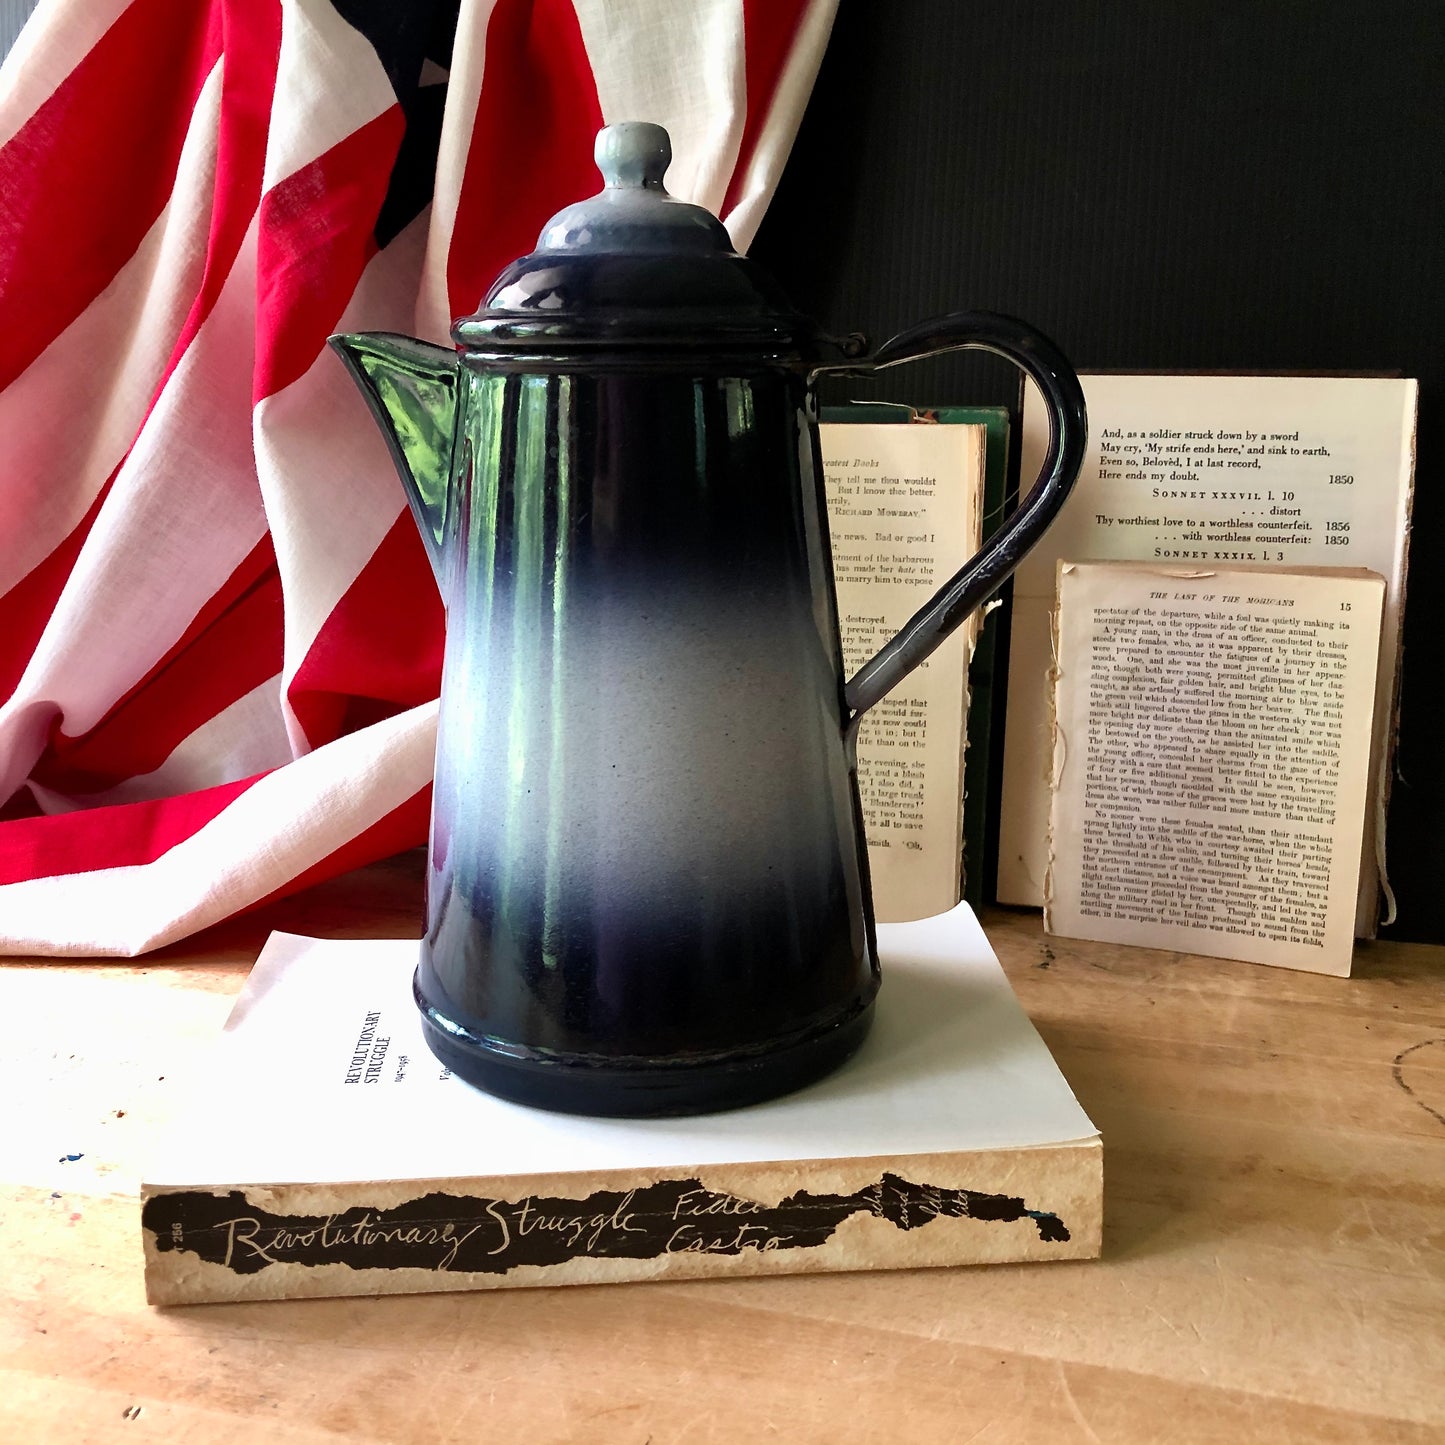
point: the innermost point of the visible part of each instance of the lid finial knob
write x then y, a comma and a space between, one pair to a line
634, 154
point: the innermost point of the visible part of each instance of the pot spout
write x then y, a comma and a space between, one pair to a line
411, 388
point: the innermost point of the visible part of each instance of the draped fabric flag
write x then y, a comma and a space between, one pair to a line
220, 640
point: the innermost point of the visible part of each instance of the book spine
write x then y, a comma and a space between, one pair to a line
261, 1242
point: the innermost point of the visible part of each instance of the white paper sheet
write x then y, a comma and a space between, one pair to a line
952, 1063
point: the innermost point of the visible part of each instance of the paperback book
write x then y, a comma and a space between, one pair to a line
1216, 472
1212, 758
326, 1152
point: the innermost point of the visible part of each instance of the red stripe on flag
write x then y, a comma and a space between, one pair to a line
86, 176
232, 646
380, 650
316, 239
769, 28
138, 833
121, 836
531, 150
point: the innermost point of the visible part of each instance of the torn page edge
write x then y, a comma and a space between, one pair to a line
927, 418
1390, 750
1382, 876
1057, 743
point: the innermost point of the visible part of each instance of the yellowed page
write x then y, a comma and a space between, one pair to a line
1211, 759
1212, 470
904, 507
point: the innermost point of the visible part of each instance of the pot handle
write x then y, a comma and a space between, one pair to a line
986, 571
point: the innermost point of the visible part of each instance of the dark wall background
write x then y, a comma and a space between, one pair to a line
13, 14
1191, 186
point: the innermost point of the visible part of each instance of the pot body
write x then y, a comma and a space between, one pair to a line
648, 882
647, 887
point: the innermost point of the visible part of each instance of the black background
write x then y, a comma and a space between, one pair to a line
1193, 186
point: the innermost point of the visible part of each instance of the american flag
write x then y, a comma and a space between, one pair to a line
220, 640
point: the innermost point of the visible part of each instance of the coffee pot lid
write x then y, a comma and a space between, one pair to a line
634, 268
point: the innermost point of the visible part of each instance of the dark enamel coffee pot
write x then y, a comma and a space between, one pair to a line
648, 884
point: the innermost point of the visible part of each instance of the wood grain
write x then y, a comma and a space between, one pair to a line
1274, 1263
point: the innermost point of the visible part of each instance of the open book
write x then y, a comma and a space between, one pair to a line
326, 1151
1212, 758
905, 508
1214, 471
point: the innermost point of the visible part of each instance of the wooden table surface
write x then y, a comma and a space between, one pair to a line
1274, 1265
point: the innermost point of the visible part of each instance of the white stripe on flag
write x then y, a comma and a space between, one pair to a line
433, 317
240, 741
682, 67
785, 113
282, 825
329, 83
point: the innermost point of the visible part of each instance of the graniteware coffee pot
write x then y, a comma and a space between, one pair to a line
647, 889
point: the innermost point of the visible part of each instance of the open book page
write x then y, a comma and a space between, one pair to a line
905, 507
1213, 471
1211, 758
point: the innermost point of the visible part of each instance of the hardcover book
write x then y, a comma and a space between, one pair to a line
911, 495
326, 1152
